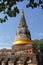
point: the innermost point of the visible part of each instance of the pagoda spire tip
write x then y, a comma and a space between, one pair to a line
22, 12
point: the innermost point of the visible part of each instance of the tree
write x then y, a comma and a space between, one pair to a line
7, 5
38, 44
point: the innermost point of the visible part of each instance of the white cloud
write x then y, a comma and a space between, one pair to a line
4, 45
4, 37
8, 37
38, 34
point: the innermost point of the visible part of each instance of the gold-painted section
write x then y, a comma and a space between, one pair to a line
22, 41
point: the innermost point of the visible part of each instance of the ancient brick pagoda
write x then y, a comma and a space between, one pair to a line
22, 52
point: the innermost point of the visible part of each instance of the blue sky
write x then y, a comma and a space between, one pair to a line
34, 19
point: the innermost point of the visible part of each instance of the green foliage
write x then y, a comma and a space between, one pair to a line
7, 5
34, 4
38, 44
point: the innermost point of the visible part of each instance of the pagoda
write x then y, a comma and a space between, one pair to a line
23, 43
23, 36
21, 53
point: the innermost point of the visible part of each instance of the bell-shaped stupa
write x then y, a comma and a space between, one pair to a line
23, 35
